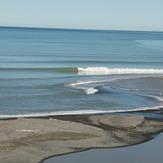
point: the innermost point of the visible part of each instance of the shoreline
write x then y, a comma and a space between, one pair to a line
34, 140
150, 152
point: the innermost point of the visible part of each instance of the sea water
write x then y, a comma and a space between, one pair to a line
67, 71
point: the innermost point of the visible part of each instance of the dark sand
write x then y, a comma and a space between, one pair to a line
32, 140
148, 152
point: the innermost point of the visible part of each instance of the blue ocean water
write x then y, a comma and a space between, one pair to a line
66, 71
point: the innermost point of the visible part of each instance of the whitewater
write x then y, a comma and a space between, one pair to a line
58, 72
106, 70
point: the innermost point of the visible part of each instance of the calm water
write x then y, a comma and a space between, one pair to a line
58, 71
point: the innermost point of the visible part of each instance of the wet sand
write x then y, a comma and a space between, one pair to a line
32, 140
148, 152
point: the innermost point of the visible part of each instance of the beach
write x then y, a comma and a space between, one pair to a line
150, 152
30, 140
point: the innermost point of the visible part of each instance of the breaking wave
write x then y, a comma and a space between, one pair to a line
91, 70
106, 70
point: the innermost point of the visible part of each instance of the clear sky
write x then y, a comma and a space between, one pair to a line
83, 14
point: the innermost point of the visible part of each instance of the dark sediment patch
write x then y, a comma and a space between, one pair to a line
34, 139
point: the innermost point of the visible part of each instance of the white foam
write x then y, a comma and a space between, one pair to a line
84, 82
91, 91
80, 112
155, 97
106, 70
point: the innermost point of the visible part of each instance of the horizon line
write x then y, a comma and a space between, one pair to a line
84, 29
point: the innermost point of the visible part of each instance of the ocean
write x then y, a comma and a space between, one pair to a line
69, 71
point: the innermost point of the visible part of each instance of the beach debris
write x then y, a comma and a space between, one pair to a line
35, 131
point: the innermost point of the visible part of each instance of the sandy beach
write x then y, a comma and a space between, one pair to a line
149, 152
32, 140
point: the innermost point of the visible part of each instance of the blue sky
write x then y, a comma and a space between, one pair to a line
83, 14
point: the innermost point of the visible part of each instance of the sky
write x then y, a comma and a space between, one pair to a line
145, 15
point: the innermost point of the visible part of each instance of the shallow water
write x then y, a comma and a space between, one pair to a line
59, 71
147, 152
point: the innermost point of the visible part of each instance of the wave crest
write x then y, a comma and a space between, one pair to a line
106, 70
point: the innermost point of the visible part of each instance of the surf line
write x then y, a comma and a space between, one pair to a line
91, 90
106, 70
79, 112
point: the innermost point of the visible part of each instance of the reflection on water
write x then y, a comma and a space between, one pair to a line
119, 131
147, 152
